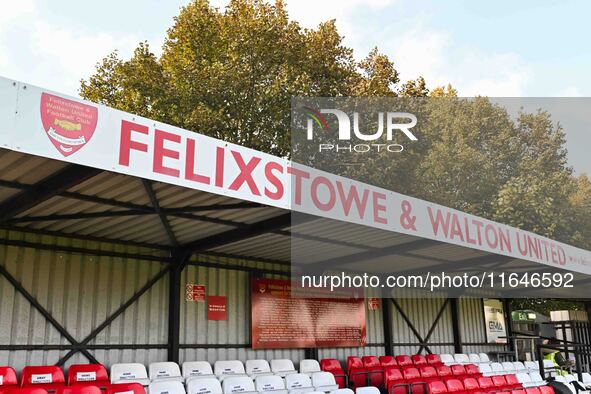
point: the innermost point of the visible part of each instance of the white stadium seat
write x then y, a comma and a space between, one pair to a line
167, 371
367, 390
485, 369
238, 384
324, 381
272, 384
508, 367
222, 369
255, 368
532, 366
129, 373
587, 378
484, 358
474, 358
166, 387
497, 368
519, 367
537, 379
309, 367
447, 359
298, 383
282, 367
197, 370
524, 379
461, 358
204, 386
342, 391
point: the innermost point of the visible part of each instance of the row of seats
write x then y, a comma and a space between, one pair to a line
461, 358
508, 367
295, 383
136, 388
416, 380
372, 370
472, 386
80, 389
457, 387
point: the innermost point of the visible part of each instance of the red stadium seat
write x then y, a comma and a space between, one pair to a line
85, 374
414, 379
334, 367
79, 389
500, 383
434, 360
48, 377
444, 372
126, 388
458, 371
486, 384
375, 371
428, 373
513, 382
472, 370
7, 378
437, 387
471, 385
517, 391
24, 390
546, 389
532, 390
418, 359
454, 386
356, 371
404, 360
388, 361
395, 382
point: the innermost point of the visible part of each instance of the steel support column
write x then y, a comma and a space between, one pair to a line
455, 322
180, 261
387, 324
509, 323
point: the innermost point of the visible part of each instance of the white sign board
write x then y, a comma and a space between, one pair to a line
55, 126
494, 318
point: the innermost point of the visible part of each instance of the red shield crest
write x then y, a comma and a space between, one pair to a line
68, 124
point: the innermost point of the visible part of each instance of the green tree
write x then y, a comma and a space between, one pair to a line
231, 74
378, 78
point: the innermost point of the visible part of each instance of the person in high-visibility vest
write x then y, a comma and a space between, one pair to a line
557, 358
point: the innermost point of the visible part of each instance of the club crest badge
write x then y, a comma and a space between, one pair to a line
68, 124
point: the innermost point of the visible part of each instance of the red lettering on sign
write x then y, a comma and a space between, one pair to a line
160, 152
127, 144
274, 180
245, 175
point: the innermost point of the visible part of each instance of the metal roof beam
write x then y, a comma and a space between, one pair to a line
249, 231
83, 237
374, 253
163, 219
138, 207
51, 186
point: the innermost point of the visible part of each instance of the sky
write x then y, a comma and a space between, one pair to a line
531, 48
